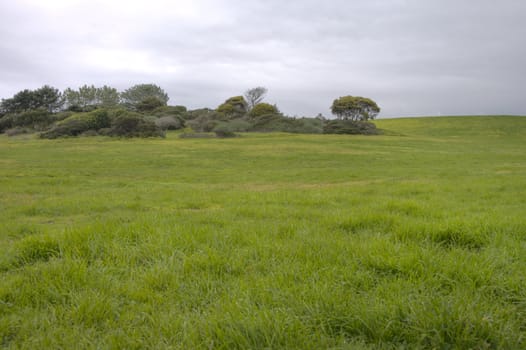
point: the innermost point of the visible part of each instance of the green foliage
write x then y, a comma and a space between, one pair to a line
80, 123
349, 127
87, 98
134, 125
169, 123
236, 125
37, 119
232, 108
137, 94
304, 126
179, 111
355, 108
412, 240
196, 113
204, 120
17, 130
262, 109
269, 122
225, 130
149, 104
72, 126
46, 97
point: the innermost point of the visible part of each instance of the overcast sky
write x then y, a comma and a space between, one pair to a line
413, 57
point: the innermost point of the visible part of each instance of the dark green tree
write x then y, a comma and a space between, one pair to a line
45, 97
81, 99
355, 108
149, 104
107, 96
87, 98
133, 96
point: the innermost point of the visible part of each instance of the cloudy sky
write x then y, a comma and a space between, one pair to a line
413, 57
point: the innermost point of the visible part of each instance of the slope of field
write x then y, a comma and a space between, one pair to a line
415, 238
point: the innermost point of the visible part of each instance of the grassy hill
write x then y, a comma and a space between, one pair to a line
484, 126
414, 238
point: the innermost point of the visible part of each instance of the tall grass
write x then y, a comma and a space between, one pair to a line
413, 239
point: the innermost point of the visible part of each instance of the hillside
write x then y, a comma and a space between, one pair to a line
484, 126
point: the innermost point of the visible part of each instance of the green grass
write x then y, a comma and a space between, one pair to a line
413, 239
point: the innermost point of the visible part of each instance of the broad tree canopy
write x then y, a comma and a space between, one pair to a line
355, 108
133, 96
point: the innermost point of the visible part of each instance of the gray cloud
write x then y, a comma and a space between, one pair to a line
412, 57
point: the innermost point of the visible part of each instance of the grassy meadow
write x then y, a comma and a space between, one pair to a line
412, 239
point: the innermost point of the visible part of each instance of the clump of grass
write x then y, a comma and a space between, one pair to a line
369, 222
35, 248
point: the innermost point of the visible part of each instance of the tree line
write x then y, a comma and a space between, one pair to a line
143, 110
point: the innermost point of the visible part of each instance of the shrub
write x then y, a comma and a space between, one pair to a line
170, 111
203, 123
304, 126
134, 125
37, 119
233, 108
69, 127
99, 119
224, 130
262, 109
149, 104
269, 122
169, 123
6, 122
79, 123
17, 131
90, 132
349, 127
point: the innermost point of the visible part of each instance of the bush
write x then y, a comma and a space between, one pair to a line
6, 122
269, 122
304, 126
169, 123
37, 119
203, 123
262, 109
79, 123
149, 104
224, 130
134, 125
90, 132
69, 127
170, 111
349, 127
17, 131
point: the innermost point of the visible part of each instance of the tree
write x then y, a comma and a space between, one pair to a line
107, 96
49, 98
234, 107
255, 96
355, 108
262, 109
81, 99
45, 97
149, 104
133, 96
90, 97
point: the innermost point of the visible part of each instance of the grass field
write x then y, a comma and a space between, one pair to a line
412, 239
